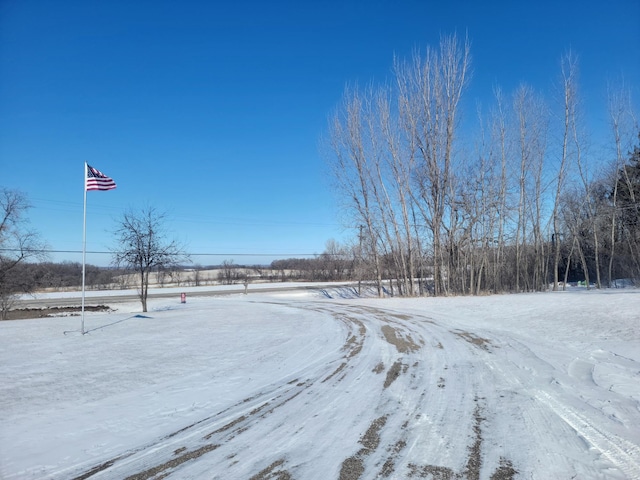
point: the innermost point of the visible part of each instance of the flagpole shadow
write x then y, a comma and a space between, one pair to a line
116, 322
108, 324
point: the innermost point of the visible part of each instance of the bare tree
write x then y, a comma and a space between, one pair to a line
622, 123
628, 210
531, 116
501, 147
393, 167
568, 66
352, 172
18, 243
228, 274
335, 261
592, 202
388, 188
197, 275
143, 245
430, 90
483, 198
577, 219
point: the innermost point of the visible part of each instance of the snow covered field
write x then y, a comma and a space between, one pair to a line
304, 385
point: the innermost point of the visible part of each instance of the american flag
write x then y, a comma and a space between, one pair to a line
96, 180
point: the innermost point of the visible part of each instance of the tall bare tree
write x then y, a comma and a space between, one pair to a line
592, 202
353, 171
400, 166
143, 245
502, 148
484, 198
569, 69
622, 123
532, 120
430, 90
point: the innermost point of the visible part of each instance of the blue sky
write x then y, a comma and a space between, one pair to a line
213, 111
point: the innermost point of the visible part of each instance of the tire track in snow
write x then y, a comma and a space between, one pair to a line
408, 335
526, 365
422, 360
620, 452
420, 337
623, 454
186, 444
399, 338
190, 443
353, 467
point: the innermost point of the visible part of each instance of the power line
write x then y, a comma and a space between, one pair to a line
190, 254
179, 216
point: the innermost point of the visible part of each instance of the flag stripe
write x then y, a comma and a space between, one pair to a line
96, 180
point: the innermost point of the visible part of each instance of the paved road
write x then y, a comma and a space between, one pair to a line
169, 293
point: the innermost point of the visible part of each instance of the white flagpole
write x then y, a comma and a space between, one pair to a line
84, 244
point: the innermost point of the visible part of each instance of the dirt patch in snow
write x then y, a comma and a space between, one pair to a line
483, 343
175, 462
474, 461
471, 471
389, 465
272, 472
354, 343
27, 313
394, 372
379, 368
404, 345
505, 471
353, 467
96, 469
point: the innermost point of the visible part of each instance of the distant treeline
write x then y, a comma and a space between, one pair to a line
52, 275
323, 268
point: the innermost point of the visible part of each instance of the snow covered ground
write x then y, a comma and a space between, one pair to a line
309, 385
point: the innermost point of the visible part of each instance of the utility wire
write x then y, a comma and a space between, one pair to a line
191, 254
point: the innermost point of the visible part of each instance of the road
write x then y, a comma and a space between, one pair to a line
92, 299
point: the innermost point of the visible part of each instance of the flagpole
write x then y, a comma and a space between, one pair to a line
93, 180
84, 244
